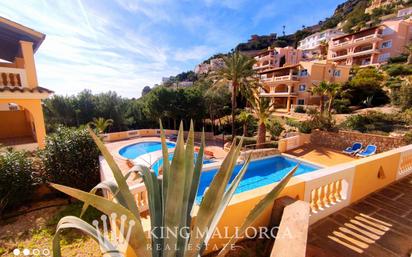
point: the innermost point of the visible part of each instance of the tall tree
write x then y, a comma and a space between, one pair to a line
409, 52
245, 117
320, 90
332, 89
101, 124
238, 69
262, 109
323, 49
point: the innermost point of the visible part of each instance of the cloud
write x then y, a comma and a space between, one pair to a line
194, 53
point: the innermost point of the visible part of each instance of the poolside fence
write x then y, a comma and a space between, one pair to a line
122, 135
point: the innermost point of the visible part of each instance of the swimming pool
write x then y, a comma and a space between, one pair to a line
135, 150
259, 173
159, 163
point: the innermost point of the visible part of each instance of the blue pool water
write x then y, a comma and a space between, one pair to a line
259, 173
159, 163
135, 150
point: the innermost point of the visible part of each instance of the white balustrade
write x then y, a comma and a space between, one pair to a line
139, 193
328, 190
405, 163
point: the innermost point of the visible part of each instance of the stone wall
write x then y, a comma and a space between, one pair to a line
259, 153
343, 139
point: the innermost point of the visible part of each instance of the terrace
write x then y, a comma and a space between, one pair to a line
334, 192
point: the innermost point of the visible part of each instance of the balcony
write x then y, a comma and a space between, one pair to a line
361, 40
12, 77
355, 54
286, 78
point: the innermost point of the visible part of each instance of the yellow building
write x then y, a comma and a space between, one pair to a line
291, 85
21, 114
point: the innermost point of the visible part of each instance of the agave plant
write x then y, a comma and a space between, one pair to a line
171, 200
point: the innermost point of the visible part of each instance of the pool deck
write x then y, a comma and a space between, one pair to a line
321, 155
114, 148
377, 225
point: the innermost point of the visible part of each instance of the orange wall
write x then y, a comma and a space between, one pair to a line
14, 124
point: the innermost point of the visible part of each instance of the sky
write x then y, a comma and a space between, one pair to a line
124, 45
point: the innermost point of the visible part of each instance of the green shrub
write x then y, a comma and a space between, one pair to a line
408, 138
16, 178
341, 105
299, 109
405, 95
372, 122
398, 69
292, 122
305, 127
71, 158
398, 59
275, 127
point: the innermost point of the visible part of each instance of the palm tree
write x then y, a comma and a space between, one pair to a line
332, 89
320, 90
244, 117
261, 108
237, 71
101, 124
409, 52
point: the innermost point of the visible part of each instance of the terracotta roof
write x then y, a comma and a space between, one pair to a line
280, 68
26, 90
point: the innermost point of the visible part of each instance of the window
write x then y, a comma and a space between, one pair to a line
336, 73
384, 57
388, 31
301, 101
304, 73
302, 87
387, 44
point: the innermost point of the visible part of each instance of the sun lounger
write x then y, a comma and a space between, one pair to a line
368, 151
355, 148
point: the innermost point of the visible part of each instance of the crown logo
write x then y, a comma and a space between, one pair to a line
115, 242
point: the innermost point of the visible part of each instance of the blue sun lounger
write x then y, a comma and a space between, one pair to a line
353, 149
369, 150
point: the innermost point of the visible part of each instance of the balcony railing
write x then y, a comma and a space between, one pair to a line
12, 77
358, 53
357, 41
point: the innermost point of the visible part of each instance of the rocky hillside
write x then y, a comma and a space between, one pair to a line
349, 16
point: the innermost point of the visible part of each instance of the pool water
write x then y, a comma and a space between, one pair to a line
259, 173
159, 163
135, 150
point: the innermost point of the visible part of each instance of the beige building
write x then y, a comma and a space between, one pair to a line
311, 45
276, 57
372, 46
21, 113
291, 85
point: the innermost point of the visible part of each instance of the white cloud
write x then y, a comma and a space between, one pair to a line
194, 53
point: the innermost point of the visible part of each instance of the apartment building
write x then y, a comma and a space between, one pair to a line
21, 114
404, 12
276, 57
372, 46
290, 85
311, 45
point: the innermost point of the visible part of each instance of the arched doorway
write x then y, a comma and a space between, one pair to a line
17, 126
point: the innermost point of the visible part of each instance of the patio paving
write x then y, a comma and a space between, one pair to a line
321, 155
378, 225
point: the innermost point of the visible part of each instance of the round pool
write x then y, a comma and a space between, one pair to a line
135, 150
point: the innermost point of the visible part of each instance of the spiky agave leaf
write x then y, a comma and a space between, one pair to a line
124, 191
211, 201
226, 199
138, 240
71, 222
154, 193
105, 185
175, 194
258, 210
